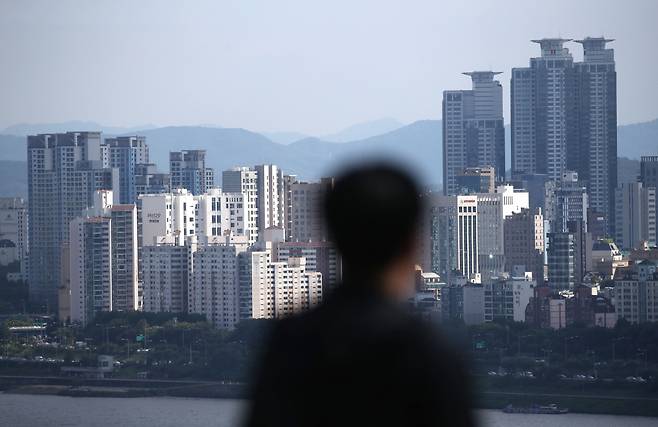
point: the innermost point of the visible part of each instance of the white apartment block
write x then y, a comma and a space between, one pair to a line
220, 213
102, 264
165, 278
281, 289
215, 280
90, 267
270, 196
168, 214
636, 294
245, 180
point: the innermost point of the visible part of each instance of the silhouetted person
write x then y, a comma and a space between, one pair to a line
359, 358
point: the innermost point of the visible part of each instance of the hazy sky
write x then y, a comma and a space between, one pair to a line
307, 66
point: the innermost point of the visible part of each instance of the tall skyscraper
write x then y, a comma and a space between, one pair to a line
564, 117
473, 129
188, 170
125, 153
543, 111
64, 171
594, 157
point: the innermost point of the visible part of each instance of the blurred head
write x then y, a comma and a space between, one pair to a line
373, 215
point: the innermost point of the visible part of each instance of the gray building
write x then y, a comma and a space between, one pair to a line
473, 129
188, 170
64, 171
566, 200
636, 216
569, 256
125, 154
149, 181
649, 171
564, 117
543, 119
594, 157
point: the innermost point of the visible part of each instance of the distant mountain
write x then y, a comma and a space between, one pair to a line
284, 137
639, 139
310, 158
13, 178
13, 147
418, 144
24, 129
364, 130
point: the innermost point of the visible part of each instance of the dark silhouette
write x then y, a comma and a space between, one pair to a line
360, 359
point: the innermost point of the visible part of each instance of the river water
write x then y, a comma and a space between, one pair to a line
40, 410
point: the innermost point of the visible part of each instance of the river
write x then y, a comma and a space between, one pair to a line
18, 410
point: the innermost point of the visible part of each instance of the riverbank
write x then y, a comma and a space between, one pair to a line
578, 402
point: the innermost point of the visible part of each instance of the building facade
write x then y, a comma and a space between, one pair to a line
473, 129
125, 153
636, 216
64, 170
188, 170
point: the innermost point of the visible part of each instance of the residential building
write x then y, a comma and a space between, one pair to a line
14, 228
636, 293
245, 180
543, 111
649, 171
566, 200
524, 242
476, 180
168, 214
636, 216
569, 256
307, 211
103, 259
473, 129
270, 198
125, 153
594, 157
281, 289
165, 272
564, 117
321, 257
188, 170
149, 181
64, 171
214, 284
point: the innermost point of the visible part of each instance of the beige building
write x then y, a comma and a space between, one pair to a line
281, 289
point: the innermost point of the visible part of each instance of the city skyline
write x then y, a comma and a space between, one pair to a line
248, 84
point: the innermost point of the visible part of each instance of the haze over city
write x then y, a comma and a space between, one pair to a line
306, 67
